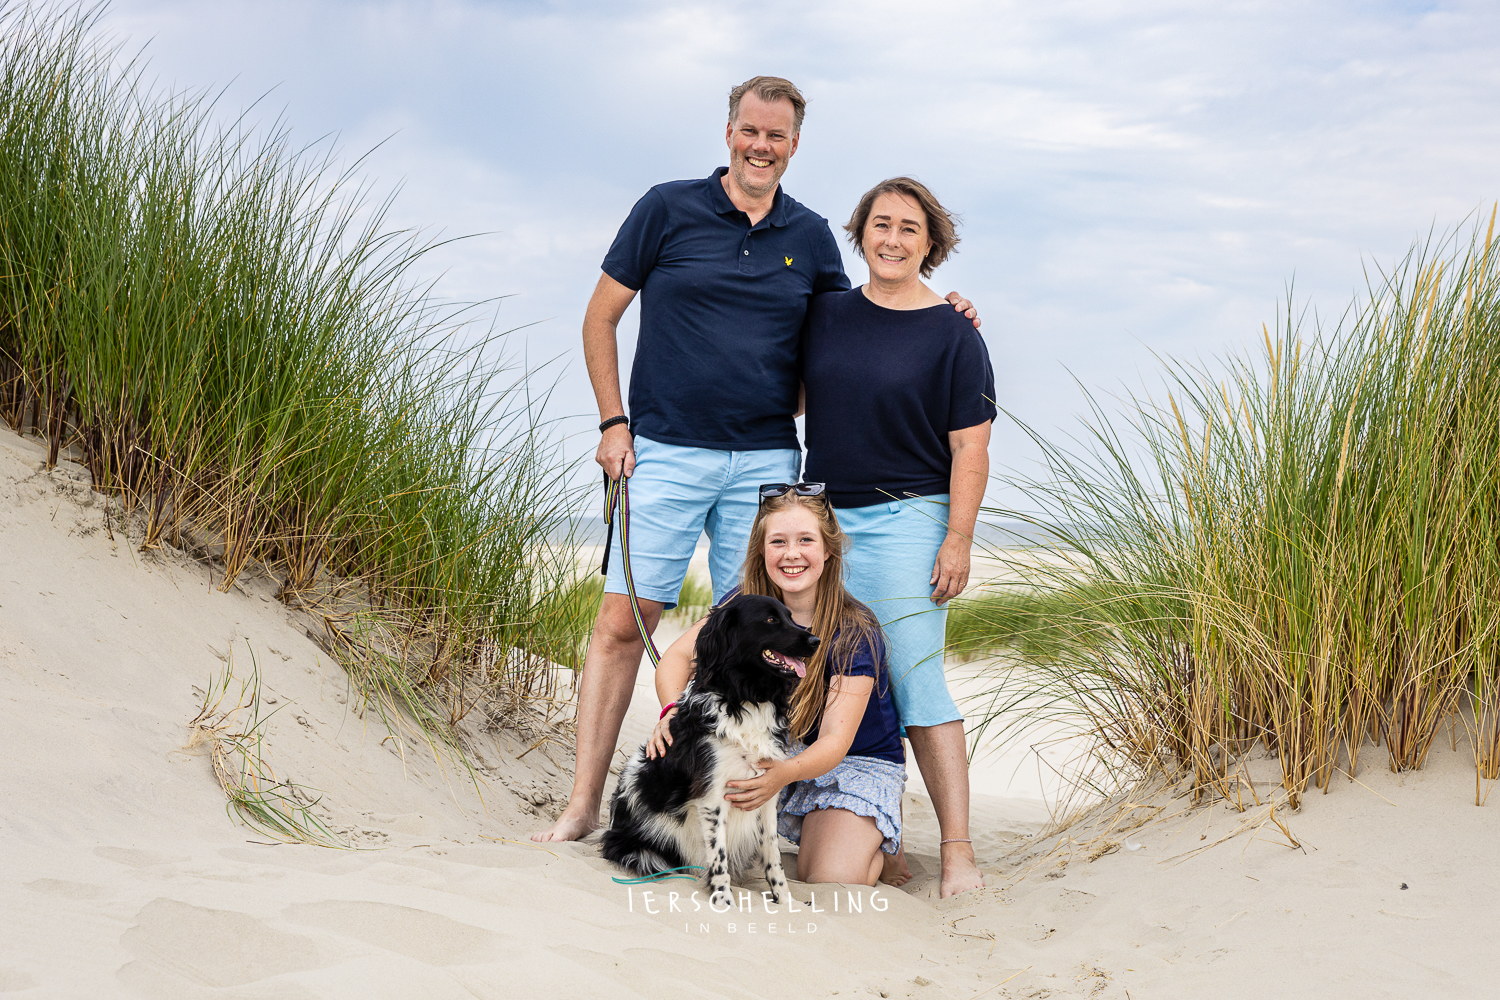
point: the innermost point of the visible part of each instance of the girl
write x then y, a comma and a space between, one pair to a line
841, 791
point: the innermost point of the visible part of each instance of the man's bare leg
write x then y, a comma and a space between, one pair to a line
945, 769
609, 672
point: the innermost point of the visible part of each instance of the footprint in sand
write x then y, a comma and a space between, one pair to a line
419, 934
135, 858
179, 949
14, 980
66, 889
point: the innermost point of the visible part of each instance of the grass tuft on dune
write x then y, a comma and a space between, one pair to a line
1297, 549
219, 325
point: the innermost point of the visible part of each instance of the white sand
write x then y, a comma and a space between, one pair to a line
125, 877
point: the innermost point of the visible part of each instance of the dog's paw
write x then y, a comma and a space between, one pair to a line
721, 899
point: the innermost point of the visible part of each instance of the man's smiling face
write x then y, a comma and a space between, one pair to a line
761, 142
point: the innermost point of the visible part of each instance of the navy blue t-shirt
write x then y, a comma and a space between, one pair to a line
879, 733
722, 308
884, 389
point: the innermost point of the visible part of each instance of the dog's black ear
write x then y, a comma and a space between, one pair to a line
714, 638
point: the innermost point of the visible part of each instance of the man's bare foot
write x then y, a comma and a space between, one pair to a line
893, 869
960, 873
569, 826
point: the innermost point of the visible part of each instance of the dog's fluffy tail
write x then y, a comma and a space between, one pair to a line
639, 859
628, 845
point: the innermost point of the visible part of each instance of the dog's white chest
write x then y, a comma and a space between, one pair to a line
749, 739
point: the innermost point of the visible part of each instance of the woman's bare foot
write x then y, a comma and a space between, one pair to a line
893, 869
569, 826
960, 873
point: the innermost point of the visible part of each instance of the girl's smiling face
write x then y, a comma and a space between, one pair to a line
794, 550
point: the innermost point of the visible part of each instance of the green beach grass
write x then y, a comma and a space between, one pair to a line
221, 327
1297, 549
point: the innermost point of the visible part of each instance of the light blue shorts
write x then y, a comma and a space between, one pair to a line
678, 493
892, 548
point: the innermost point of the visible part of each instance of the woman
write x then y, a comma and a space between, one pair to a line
843, 785
900, 396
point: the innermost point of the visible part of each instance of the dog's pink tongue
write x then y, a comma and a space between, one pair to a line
796, 665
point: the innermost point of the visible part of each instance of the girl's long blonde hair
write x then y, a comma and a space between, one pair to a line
843, 623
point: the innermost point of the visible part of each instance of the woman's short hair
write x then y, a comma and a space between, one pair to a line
941, 223
770, 89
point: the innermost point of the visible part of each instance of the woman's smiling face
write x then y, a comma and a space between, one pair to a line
895, 238
794, 549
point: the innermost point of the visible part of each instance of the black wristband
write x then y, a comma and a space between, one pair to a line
612, 421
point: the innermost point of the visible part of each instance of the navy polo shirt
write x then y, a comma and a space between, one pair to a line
884, 389
722, 307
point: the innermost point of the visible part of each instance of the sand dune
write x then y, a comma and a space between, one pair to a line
125, 877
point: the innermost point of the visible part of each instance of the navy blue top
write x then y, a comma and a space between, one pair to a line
884, 389
722, 308
879, 733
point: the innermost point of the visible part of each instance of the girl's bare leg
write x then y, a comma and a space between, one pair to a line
839, 846
893, 867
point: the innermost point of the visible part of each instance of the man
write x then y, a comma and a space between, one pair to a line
726, 266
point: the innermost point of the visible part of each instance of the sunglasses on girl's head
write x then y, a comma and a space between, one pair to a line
770, 490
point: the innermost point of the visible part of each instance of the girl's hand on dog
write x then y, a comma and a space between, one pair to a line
661, 736
750, 794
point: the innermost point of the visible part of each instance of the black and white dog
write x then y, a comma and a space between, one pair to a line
670, 811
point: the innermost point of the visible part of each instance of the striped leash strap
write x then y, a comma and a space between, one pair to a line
617, 497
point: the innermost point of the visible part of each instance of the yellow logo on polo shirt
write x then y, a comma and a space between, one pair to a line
788, 261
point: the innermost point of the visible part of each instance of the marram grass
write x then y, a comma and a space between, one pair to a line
694, 600
1296, 549
224, 329
273, 806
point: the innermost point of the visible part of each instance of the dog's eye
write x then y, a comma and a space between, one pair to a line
770, 621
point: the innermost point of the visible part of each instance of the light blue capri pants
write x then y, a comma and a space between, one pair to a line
892, 548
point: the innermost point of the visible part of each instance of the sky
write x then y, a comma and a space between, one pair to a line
1134, 179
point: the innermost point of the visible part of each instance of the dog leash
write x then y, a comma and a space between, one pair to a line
617, 496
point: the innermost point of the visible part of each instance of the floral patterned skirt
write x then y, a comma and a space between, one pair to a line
866, 786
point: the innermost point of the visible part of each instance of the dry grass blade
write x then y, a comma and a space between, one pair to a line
278, 808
